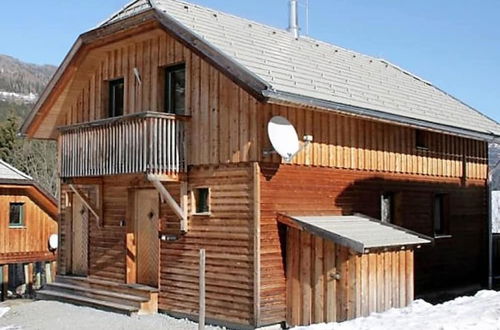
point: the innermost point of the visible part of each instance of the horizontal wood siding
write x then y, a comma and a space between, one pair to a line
31, 241
226, 235
309, 190
327, 282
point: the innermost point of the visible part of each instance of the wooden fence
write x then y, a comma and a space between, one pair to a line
148, 142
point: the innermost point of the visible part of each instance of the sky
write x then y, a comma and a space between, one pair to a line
455, 44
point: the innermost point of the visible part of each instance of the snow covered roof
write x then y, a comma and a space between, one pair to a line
8, 172
316, 70
358, 232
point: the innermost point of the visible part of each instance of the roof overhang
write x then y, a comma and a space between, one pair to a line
278, 97
41, 196
358, 232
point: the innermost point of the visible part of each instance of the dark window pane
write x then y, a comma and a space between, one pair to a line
202, 200
175, 90
16, 214
421, 139
440, 216
116, 97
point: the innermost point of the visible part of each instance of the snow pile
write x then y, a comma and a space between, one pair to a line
3, 311
11, 96
480, 312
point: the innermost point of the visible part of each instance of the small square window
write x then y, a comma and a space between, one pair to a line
202, 200
16, 215
175, 89
116, 97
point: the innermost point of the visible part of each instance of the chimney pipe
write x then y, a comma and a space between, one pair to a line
294, 19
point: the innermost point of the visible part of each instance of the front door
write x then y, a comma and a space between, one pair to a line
146, 233
79, 242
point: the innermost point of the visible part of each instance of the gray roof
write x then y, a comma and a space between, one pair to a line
358, 232
8, 172
317, 70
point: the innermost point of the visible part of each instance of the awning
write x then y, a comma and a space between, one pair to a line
357, 232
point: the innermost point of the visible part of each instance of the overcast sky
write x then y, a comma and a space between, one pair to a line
455, 44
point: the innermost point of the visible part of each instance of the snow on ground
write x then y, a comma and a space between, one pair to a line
8, 96
51, 315
480, 312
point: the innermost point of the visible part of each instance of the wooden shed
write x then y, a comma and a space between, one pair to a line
342, 267
27, 219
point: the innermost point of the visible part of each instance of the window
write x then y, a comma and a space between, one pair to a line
175, 89
16, 215
116, 97
421, 139
202, 200
387, 208
441, 223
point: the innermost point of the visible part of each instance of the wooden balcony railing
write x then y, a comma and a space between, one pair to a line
148, 142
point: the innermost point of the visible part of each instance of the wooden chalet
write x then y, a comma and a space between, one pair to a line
28, 217
160, 115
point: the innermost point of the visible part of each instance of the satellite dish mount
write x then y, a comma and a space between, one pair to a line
284, 139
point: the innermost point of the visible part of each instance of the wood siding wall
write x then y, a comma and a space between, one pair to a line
230, 126
29, 243
305, 190
226, 235
365, 283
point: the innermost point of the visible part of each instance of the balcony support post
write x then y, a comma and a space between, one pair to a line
181, 212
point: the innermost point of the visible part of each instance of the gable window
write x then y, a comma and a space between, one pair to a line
175, 89
440, 215
16, 215
116, 97
202, 200
421, 139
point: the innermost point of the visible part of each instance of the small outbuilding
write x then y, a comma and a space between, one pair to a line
28, 216
343, 267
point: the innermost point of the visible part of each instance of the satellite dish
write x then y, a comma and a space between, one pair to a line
53, 242
283, 137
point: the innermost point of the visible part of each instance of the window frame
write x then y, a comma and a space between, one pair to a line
169, 104
111, 107
444, 209
22, 215
195, 198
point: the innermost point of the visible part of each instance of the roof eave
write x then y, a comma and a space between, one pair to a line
279, 96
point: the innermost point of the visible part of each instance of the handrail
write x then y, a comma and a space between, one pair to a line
115, 120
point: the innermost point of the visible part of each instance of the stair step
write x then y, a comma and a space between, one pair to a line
97, 292
135, 289
86, 301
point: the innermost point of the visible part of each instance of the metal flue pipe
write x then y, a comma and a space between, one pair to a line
294, 19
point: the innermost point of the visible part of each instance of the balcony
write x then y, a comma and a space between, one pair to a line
148, 142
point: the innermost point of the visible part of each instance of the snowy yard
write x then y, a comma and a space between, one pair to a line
480, 312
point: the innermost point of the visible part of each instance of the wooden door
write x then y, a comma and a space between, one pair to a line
79, 241
146, 233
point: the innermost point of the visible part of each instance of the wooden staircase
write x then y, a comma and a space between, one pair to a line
129, 299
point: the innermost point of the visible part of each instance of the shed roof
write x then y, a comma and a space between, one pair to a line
357, 232
316, 70
8, 172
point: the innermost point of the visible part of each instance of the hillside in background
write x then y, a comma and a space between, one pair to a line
20, 86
